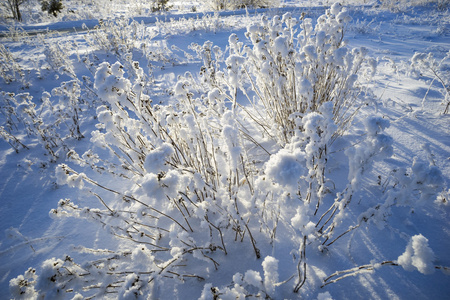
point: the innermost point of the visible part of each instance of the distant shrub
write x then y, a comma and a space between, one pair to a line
52, 7
443, 4
402, 5
424, 64
160, 5
237, 4
10, 70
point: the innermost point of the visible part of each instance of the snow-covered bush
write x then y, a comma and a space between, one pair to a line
22, 114
237, 4
10, 121
69, 107
426, 65
291, 68
10, 70
127, 38
119, 35
52, 123
184, 192
403, 5
57, 56
208, 22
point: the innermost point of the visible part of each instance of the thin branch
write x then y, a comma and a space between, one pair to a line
301, 273
339, 275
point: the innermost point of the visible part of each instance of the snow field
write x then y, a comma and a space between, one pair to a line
280, 161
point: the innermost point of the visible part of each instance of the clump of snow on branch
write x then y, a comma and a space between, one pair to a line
270, 266
417, 256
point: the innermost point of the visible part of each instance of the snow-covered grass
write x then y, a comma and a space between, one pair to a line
299, 155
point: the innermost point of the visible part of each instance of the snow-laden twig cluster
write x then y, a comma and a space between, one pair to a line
404, 5
218, 5
207, 22
290, 69
10, 70
51, 122
124, 37
426, 65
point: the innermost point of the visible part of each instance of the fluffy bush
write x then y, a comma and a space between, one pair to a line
290, 69
9, 70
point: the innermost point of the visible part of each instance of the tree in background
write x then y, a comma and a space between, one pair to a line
52, 7
13, 6
160, 5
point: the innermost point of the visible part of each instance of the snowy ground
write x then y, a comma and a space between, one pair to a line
412, 103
